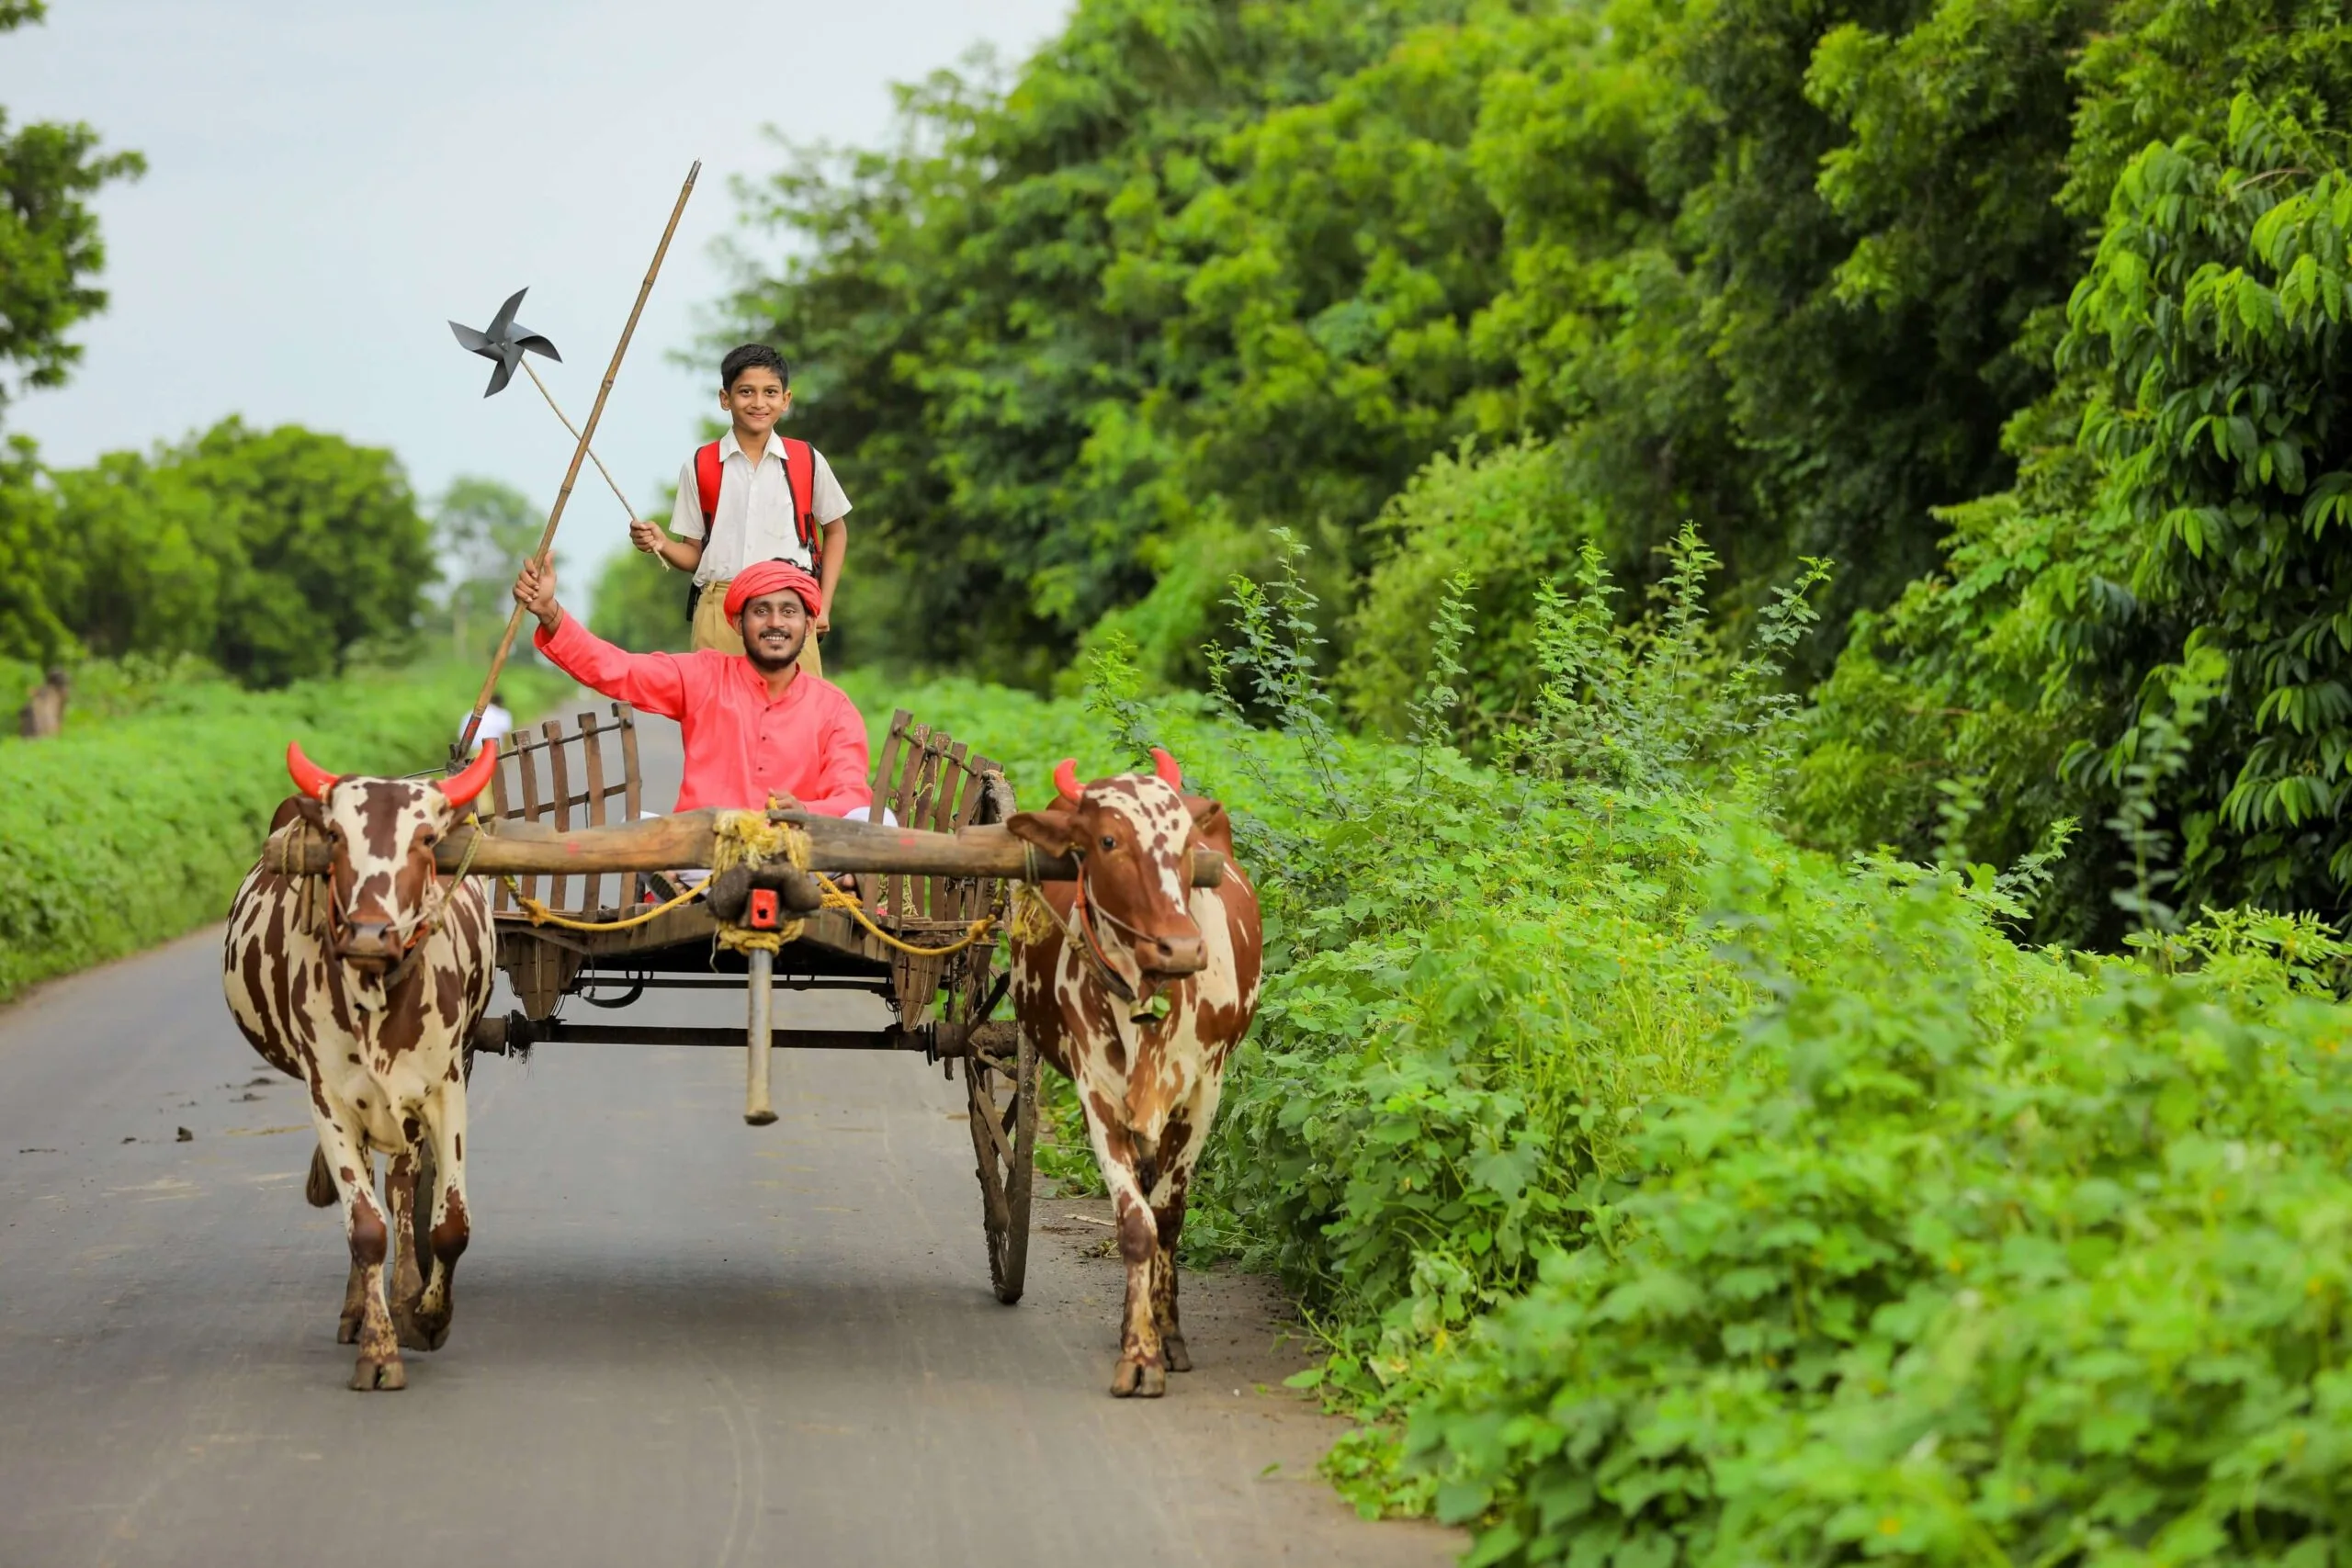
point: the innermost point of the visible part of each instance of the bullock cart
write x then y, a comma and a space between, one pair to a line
590, 907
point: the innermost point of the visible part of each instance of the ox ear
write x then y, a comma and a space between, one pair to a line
1053, 832
299, 806
1208, 816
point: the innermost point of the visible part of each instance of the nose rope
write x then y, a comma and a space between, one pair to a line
1082, 935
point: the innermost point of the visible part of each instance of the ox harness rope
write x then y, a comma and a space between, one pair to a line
413, 930
1079, 931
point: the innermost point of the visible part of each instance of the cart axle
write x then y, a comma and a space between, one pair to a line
515, 1035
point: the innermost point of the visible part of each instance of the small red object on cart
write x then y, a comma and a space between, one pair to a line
761, 915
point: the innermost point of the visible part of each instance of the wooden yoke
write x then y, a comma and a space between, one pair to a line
666, 843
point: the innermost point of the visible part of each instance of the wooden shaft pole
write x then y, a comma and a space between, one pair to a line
579, 452
669, 843
610, 483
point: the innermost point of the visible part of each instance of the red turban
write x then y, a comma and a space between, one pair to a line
772, 577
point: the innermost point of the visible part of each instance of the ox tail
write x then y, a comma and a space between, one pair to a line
319, 1189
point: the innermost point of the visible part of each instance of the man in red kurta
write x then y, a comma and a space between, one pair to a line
757, 728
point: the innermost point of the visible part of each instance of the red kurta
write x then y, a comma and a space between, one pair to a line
741, 748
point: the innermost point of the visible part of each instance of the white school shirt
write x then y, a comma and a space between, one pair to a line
754, 520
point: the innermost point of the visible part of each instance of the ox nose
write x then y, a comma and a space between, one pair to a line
367, 939
1175, 955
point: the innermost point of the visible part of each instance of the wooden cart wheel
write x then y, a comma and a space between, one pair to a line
1001, 1086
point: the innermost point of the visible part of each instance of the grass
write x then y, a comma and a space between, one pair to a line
135, 825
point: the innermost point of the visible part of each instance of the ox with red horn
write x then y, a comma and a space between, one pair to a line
314, 781
1164, 766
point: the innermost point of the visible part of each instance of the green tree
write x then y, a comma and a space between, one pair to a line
484, 529
274, 553
981, 313
639, 604
139, 557
49, 251
2179, 509
48, 236
30, 627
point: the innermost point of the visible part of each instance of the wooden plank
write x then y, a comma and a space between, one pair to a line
886, 789
934, 806
631, 789
946, 896
559, 807
902, 803
591, 765
500, 898
531, 811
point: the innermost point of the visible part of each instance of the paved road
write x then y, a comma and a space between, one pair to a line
679, 1339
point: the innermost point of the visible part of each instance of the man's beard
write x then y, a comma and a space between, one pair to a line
768, 664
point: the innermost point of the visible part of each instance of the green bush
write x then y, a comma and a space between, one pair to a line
119, 835
1666, 1193
1970, 1255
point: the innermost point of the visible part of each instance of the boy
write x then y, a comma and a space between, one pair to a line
735, 509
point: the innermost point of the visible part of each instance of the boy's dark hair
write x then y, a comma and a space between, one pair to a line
752, 356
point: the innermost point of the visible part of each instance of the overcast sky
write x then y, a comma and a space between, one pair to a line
328, 184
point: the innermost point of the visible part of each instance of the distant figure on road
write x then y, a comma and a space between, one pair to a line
496, 725
44, 713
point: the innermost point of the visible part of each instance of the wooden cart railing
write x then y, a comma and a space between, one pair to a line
586, 774
571, 778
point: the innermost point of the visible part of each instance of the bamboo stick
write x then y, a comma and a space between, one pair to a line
579, 452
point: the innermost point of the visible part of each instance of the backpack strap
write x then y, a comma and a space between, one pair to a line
801, 477
706, 474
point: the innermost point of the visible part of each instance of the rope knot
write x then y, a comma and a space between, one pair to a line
749, 838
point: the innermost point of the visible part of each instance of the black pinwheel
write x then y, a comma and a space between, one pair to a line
504, 342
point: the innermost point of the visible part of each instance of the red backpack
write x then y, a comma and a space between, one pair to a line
800, 476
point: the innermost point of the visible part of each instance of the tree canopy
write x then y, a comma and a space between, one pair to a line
1997, 305
50, 249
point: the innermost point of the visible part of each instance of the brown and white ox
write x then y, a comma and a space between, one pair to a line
1140, 991
364, 985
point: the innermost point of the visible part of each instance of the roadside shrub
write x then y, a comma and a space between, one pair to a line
1665, 1192
1968, 1257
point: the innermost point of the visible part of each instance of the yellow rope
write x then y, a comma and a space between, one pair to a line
748, 838
837, 899
542, 916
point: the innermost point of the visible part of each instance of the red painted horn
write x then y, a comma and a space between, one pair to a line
1165, 766
1066, 780
462, 789
309, 777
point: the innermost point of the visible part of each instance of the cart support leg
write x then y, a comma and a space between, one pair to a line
757, 1111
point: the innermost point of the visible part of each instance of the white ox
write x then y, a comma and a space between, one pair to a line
364, 985
1129, 934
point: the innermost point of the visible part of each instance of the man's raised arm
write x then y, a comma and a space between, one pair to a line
649, 681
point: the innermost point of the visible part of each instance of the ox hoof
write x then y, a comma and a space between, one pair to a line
432, 1330
759, 1118
1171, 1347
1138, 1380
369, 1376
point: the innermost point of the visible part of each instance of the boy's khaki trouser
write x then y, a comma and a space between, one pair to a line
712, 629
